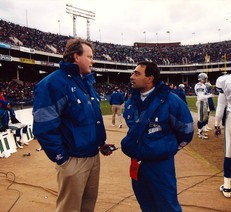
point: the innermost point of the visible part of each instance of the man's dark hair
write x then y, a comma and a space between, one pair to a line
75, 46
151, 69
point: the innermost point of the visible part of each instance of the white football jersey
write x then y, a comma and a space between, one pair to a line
201, 92
223, 86
226, 87
220, 82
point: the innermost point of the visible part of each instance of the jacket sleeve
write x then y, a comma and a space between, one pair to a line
181, 122
201, 96
110, 100
49, 102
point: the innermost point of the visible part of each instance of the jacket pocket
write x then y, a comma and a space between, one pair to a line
68, 168
81, 112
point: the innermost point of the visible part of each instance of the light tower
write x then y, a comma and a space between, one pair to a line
88, 15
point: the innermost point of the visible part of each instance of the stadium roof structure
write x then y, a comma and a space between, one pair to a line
151, 45
77, 12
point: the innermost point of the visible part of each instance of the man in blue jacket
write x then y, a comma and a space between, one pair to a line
116, 101
180, 91
160, 124
69, 127
9, 121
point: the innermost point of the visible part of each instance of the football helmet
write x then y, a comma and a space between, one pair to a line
181, 86
202, 77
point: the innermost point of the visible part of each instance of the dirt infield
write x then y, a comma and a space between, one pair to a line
28, 183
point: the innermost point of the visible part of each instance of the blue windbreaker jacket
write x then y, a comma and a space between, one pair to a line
116, 98
158, 127
67, 115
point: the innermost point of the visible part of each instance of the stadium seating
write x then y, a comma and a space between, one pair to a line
162, 54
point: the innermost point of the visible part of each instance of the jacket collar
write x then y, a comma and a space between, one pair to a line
73, 70
159, 94
70, 68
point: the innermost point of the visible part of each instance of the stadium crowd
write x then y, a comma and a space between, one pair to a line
18, 93
21, 93
180, 54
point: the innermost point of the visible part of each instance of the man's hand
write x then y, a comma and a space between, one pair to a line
217, 130
107, 149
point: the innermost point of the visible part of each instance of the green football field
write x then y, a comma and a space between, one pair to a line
106, 108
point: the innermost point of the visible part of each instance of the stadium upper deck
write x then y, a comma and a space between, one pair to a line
29, 54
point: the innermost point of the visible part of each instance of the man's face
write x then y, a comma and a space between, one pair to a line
85, 61
138, 79
204, 81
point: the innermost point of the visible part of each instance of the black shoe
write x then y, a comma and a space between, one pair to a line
19, 144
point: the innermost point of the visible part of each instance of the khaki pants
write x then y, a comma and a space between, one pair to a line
78, 182
117, 109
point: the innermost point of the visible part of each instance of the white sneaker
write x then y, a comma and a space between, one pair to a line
19, 145
202, 136
226, 191
24, 139
198, 133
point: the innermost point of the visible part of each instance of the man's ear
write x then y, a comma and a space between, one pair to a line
76, 57
151, 79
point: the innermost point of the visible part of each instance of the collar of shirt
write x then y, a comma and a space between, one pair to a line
144, 95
